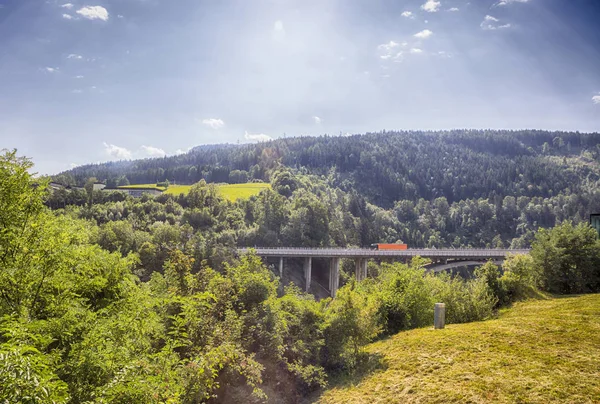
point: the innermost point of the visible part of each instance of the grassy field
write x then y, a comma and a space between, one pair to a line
536, 352
178, 189
230, 192
233, 192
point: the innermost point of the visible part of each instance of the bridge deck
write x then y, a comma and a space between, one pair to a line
368, 253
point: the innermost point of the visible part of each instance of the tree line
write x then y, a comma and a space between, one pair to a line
388, 166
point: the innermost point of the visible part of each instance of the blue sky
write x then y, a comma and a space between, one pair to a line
97, 80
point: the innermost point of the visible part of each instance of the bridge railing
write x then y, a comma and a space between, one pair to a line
340, 251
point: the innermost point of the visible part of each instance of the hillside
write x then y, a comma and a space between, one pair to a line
426, 189
538, 351
387, 167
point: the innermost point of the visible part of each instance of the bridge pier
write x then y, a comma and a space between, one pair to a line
281, 267
334, 275
361, 269
307, 271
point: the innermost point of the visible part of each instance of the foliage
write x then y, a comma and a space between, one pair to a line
567, 258
351, 323
26, 377
200, 324
406, 296
519, 279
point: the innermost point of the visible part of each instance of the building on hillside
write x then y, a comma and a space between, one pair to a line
135, 192
55, 186
98, 186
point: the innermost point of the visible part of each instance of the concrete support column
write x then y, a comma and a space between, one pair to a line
334, 276
307, 271
361, 269
281, 267
331, 275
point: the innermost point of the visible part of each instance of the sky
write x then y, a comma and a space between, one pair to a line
97, 80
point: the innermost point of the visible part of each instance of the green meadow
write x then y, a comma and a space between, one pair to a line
231, 192
539, 351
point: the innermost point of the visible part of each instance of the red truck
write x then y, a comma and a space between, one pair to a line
380, 246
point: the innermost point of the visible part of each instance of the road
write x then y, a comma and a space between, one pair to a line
467, 253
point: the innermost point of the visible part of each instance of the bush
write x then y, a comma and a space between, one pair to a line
351, 322
405, 298
465, 301
567, 259
519, 278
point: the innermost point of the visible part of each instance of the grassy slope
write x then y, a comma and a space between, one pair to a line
178, 189
538, 351
243, 191
229, 191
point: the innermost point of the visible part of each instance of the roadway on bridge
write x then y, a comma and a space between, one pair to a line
465, 254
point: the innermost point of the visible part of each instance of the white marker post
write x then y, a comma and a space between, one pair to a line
439, 316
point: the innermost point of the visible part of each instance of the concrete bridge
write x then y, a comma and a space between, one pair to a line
441, 259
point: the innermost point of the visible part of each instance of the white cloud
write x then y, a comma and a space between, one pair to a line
116, 151
431, 6
51, 69
214, 123
596, 99
68, 6
278, 31
408, 14
507, 2
423, 34
454, 9
416, 50
257, 137
74, 56
67, 17
120, 16
77, 91
491, 23
388, 46
317, 120
94, 13
78, 77
388, 50
153, 151
183, 151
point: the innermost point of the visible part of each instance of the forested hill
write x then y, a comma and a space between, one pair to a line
388, 166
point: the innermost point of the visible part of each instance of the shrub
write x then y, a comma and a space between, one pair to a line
465, 301
351, 322
519, 278
405, 298
567, 259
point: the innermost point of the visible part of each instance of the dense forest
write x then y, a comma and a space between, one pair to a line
122, 300
389, 166
427, 189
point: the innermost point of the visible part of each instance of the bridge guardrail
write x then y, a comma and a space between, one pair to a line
364, 252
